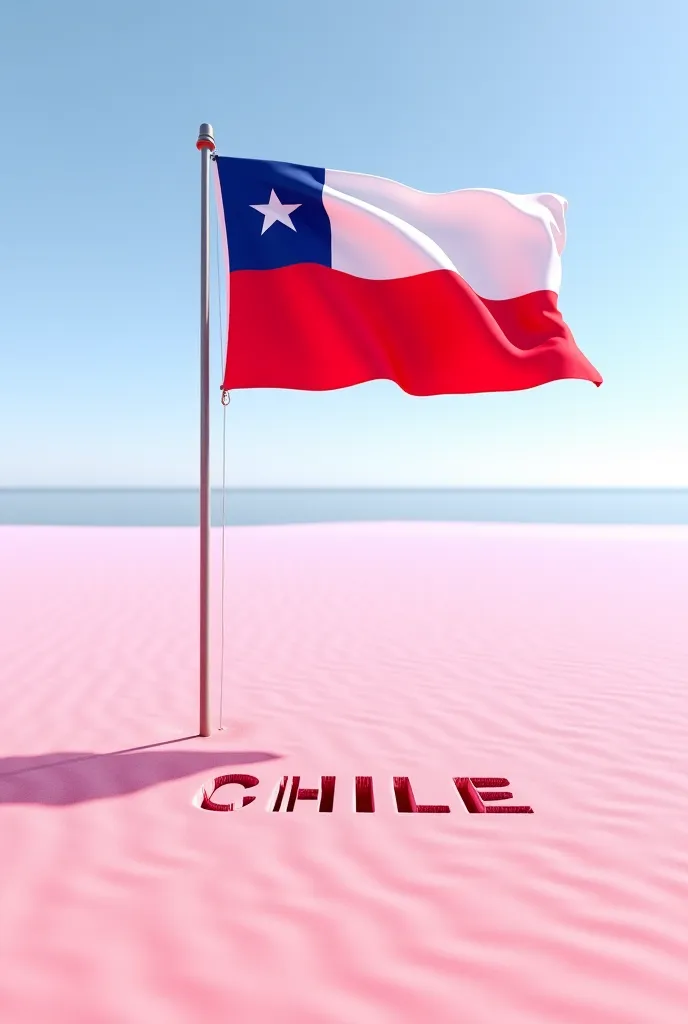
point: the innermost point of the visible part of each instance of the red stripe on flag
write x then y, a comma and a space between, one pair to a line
310, 328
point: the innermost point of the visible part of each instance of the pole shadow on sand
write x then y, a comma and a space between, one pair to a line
64, 778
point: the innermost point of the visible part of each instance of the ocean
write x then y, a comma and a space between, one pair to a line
244, 507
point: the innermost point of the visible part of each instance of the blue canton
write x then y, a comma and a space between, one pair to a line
246, 184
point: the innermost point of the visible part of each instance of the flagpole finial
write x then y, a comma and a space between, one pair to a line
206, 139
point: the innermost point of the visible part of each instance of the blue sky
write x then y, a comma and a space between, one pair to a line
99, 229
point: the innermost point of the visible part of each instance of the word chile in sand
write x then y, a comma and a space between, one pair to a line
476, 795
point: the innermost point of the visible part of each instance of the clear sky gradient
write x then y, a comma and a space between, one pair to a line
99, 229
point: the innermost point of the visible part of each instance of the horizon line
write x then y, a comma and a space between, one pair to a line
193, 488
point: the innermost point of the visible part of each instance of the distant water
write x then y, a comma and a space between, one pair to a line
179, 507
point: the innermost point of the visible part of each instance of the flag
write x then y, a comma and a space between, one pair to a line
336, 278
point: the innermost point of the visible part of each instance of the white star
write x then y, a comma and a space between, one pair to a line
275, 210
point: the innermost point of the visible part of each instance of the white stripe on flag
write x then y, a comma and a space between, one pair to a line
503, 245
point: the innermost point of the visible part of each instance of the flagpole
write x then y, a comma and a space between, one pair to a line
206, 144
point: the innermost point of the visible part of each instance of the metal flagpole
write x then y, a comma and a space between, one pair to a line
206, 144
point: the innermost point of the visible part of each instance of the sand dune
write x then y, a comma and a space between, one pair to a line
554, 657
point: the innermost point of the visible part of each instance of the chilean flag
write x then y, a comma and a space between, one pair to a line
338, 278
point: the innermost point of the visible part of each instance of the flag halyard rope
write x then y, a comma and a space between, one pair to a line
225, 403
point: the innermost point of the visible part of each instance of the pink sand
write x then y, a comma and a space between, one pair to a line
556, 657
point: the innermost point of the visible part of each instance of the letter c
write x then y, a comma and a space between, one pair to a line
247, 781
